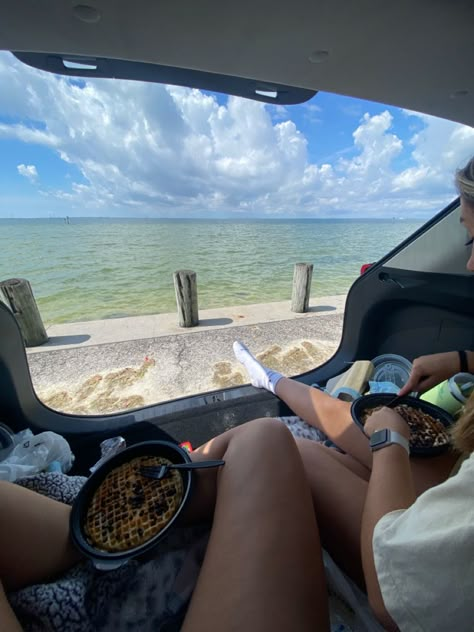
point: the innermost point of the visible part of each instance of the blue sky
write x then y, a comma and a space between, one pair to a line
114, 148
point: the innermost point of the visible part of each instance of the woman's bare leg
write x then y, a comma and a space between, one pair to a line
333, 417
34, 537
263, 559
339, 485
338, 496
327, 413
317, 408
7, 617
262, 570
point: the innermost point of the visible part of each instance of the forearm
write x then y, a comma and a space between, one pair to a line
390, 488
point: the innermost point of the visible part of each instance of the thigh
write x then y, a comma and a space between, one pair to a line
34, 537
338, 488
262, 569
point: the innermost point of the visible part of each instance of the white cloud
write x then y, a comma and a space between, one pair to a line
28, 171
439, 149
162, 149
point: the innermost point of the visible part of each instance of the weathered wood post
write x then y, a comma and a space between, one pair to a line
19, 297
186, 297
301, 287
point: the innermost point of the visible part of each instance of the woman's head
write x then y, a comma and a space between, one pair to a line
463, 429
465, 183
465, 186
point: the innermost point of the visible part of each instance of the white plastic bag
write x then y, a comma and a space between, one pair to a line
33, 453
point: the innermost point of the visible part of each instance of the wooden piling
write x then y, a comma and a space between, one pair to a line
19, 297
302, 275
186, 297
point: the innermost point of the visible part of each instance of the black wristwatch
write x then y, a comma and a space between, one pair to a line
385, 437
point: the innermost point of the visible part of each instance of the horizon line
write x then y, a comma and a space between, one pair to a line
352, 217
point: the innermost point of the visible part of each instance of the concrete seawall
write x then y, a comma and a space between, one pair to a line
117, 364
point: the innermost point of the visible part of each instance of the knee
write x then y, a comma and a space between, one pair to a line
268, 432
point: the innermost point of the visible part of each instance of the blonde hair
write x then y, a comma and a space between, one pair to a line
462, 433
465, 182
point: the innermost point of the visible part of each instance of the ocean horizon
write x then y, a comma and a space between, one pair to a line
102, 267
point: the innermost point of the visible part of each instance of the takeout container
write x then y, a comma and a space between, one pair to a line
105, 560
391, 367
367, 402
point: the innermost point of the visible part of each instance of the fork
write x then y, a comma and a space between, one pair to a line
393, 402
160, 471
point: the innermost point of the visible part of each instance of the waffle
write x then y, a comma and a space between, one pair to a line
129, 509
425, 430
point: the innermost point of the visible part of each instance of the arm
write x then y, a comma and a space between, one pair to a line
390, 488
430, 370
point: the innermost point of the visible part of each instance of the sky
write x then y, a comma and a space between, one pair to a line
112, 148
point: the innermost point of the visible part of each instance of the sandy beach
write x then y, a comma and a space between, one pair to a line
108, 366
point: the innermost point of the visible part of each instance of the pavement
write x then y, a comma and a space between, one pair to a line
97, 332
110, 365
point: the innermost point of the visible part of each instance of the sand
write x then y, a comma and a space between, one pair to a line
113, 377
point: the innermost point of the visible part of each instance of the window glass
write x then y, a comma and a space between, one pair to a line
439, 249
110, 187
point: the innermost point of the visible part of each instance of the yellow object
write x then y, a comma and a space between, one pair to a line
353, 382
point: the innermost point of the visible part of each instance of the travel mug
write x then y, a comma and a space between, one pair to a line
452, 394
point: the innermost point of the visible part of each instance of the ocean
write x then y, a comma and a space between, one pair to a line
108, 268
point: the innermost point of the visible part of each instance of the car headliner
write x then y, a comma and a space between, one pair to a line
416, 54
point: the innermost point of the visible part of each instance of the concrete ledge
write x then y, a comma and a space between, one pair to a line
97, 332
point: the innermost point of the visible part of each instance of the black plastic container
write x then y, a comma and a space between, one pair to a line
365, 403
104, 560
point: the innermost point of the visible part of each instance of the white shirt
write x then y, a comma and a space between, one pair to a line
424, 558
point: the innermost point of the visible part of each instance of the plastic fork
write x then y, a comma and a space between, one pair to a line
393, 402
160, 471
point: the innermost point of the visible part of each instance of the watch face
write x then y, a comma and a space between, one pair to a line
379, 438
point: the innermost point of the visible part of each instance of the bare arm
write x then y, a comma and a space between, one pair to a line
390, 488
432, 369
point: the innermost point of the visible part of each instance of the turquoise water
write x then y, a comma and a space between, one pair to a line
107, 268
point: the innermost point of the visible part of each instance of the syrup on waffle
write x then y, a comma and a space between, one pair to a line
128, 509
425, 430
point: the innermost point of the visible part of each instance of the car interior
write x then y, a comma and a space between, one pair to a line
418, 56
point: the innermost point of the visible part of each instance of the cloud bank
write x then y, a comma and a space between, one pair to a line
162, 150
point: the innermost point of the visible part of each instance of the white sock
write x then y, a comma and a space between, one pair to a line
260, 376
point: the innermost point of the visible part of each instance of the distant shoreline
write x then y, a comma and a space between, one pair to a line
210, 218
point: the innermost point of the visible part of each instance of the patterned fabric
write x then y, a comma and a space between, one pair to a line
302, 430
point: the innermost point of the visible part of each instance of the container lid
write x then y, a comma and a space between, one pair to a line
393, 368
